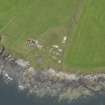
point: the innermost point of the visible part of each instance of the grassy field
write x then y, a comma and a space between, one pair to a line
87, 44
47, 22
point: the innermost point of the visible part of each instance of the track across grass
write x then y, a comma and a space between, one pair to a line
87, 46
45, 21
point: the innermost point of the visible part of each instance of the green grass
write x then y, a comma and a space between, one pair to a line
87, 48
45, 20
49, 21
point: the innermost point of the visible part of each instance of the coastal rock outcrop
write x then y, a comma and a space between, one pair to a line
49, 82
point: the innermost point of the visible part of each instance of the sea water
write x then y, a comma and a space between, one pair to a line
10, 95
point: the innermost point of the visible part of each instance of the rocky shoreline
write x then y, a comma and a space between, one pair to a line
49, 82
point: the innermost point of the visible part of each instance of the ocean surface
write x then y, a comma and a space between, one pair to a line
10, 95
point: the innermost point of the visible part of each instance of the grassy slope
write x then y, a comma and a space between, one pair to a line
23, 19
87, 48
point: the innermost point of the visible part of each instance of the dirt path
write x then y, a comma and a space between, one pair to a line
72, 26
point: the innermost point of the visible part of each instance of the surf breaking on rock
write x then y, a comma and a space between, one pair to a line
49, 82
